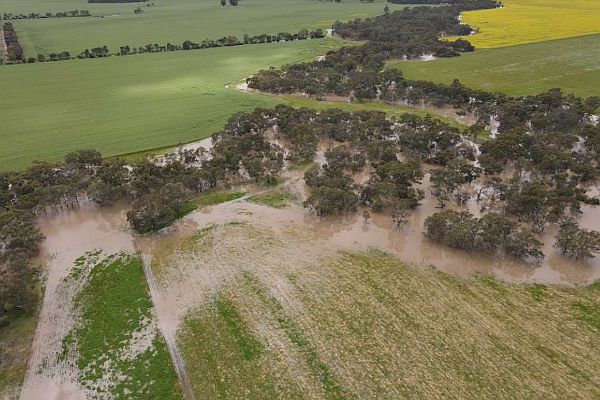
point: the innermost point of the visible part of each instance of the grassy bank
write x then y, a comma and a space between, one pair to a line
389, 109
15, 345
570, 64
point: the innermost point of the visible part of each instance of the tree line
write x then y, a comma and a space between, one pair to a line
226, 41
14, 50
463, 5
59, 14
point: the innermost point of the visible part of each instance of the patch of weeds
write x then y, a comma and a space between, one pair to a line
296, 335
493, 283
274, 200
236, 223
538, 292
212, 198
589, 313
112, 307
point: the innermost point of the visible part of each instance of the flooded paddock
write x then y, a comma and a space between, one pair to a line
275, 243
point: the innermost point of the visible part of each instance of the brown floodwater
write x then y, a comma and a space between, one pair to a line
70, 234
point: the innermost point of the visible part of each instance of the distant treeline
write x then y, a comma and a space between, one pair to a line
60, 14
226, 41
116, 1
464, 5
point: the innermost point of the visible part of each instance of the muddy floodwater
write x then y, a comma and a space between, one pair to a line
70, 234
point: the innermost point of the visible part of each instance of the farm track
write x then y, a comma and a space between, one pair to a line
176, 356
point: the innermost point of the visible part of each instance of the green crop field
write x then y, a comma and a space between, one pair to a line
175, 21
127, 104
571, 64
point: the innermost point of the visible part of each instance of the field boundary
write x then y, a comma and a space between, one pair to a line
176, 357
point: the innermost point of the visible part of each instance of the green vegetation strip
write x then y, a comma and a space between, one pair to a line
273, 200
119, 350
213, 198
391, 110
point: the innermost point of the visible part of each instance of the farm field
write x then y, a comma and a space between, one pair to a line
528, 21
179, 20
366, 325
121, 105
570, 64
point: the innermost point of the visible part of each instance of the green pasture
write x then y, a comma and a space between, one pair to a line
130, 104
174, 21
571, 64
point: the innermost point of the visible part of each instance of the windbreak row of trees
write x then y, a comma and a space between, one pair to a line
58, 14
226, 41
14, 50
464, 5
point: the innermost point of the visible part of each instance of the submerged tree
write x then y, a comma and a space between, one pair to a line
577, 242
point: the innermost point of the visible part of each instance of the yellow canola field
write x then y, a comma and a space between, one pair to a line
528, 21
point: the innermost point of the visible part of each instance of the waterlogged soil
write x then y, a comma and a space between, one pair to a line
243, 236
68, 236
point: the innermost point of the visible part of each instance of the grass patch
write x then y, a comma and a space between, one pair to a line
589, 313
390, 109
273, 200
115, 338
528, 21
570, 64
213, 198
297, 336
